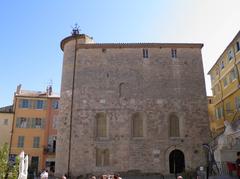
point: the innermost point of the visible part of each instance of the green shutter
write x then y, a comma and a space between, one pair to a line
98, 157
29, 121
18, 123
106, 157
42, 123
33, 123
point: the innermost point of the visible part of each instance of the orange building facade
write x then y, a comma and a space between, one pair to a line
34, 128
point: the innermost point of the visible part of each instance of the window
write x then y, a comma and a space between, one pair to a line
174, 126
39, 104
5, 122
222, 64
37, 123
24, 103
230, 55
36, 142
21, 122
209, 101
219, 112
212, 77
137, 124
55, 104
145, 53
225, 81
232, 75
102, 157
237, 46
101, 122
228, 107
174, 53
20, 141
237, 103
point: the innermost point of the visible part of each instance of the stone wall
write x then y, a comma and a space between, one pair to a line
120, 82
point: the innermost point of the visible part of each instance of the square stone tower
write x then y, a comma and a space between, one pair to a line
131, 107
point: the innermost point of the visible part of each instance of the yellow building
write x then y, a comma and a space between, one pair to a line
6, 118
34, 127
211, 112
225, 81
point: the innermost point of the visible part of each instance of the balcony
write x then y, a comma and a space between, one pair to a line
49, 150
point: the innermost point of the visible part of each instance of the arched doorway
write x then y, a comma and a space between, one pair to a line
176, 161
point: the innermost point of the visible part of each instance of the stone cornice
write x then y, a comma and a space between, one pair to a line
140, 45
127, 45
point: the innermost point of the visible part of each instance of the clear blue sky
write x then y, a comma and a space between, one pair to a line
31, 32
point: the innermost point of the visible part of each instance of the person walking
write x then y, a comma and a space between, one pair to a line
64, 176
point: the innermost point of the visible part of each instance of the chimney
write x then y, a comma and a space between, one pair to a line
49, 90
18, 89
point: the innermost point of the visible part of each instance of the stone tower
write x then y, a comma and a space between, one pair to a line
131, 107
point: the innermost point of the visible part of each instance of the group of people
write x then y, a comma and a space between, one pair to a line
44, 174
107, 176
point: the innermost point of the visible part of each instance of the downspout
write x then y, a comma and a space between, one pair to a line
14, 110
71, 112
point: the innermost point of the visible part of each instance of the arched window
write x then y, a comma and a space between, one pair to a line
137, 124
101, 124
174, 130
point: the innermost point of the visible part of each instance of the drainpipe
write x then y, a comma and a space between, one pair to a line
71, 112
14, 110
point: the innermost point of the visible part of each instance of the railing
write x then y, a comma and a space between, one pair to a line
49, 150
225, 168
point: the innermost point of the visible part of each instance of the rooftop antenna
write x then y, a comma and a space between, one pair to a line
75, 30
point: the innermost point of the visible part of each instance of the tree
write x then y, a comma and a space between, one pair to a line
7, 170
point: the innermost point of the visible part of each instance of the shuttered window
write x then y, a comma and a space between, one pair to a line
137, 125
36, 142
101, 123
102, 157
20, 141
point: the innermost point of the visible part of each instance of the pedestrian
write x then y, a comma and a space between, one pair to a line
44, 174
93, 177
117, 176
179, 177
64, 176
238, 164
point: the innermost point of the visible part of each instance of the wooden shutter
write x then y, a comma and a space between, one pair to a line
98, 157
29, 122
106, 157
42, 123
18, 123
174, 126
101, 123
137, 125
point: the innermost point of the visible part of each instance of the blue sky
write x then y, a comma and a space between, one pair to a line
31, 32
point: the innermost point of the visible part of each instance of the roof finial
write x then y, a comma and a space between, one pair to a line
75, 30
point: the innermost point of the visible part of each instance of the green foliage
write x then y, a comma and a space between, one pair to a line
7, 170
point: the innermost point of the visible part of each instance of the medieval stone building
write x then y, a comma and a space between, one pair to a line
131, 107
